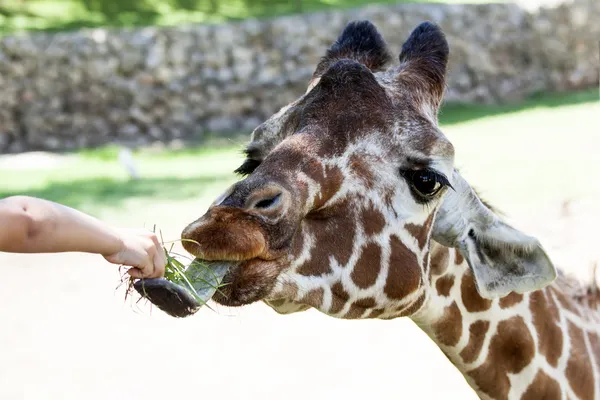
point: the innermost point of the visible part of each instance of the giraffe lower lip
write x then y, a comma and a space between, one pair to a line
247, 282
184, 296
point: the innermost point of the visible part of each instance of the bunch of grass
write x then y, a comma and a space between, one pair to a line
196, 276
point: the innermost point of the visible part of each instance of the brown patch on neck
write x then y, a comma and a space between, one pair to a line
339, 298
542, 387
367, 267
564, 301
367, 302
358, 308
579, 368
472, 301
372, 221
375, 313
403, 276
413, 307
595, 345
439, 260
550, 340
511, 349
510, 300
444, 284
449, 328
420, 232
477, 332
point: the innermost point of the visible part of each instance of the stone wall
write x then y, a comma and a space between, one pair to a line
70, 90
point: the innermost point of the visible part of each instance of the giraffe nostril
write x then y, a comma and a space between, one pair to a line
268, 202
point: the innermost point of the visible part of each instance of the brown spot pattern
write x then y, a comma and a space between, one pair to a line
330, 178
444, 284
329, 241
449, 328
367, 302
510, 300
552, 305
550, 339
439, 260
542, 387
413, 307
297, 243
564, 302
372, 221
368, 266
420, 232
404, 272
357, 309
579, 367
477, 332
291, 289
354, 312
511, 349
338, 299
595, 345
361, 169
314, 297
375, 313
458, 258
472, 301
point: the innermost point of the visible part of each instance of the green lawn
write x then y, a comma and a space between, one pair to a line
60, 15
544, 150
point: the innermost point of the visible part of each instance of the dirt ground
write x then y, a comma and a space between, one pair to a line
68, 334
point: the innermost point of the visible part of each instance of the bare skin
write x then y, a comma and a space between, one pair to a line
31, 225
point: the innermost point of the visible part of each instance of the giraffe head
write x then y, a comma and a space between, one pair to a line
345, 188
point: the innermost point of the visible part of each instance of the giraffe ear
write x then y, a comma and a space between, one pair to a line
502, 258
423, 64
361, 42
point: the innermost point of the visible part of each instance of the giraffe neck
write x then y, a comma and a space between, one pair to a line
539, 345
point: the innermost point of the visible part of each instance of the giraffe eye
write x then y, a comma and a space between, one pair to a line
425, 182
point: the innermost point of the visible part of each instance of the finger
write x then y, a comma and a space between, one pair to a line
135, 273
155, 239
160, 261
148, 268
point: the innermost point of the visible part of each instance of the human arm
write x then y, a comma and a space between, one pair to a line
31, 225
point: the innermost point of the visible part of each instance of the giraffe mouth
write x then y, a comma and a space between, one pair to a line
241, 283
226, 234
247, 282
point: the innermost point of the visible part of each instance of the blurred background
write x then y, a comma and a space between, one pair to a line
136, 112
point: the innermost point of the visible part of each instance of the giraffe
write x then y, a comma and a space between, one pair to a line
350, 204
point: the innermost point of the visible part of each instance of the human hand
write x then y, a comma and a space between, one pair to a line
142, 251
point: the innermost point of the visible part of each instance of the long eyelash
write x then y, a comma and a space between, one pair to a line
247, 167
442, 179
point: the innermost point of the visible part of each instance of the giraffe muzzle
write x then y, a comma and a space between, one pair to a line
225, 234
